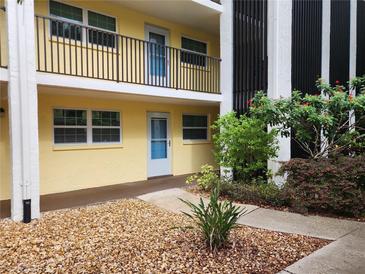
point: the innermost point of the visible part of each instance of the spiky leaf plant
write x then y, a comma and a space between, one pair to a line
215, 219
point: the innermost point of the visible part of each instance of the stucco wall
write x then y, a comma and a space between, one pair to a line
66, 168
4, 146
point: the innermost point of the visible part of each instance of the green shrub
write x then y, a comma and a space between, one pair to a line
256, 193
215, 220
243, 144
205, 179
334, 185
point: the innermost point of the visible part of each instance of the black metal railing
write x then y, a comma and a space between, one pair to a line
73, 49
3, 41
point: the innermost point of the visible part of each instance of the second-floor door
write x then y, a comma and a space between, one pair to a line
157, 69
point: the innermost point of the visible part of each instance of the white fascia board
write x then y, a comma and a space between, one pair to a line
210, 4
57, 80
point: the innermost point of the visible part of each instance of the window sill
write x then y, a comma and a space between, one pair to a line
196, 142
86, 147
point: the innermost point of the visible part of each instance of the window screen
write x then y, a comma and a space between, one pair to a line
105, 127
195, 127
102, 22
193, 46
70, 126
69, 13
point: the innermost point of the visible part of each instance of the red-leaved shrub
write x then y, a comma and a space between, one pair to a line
334, 185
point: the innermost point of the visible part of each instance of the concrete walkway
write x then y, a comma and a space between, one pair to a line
346, 254
89, 196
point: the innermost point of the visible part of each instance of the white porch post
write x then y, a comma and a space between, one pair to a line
279, 67
325, 62
326, 36
226, 53
23, 109
226, 69
353, 46
353, 38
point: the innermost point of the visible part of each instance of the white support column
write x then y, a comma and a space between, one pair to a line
353, 46
353, 38
23, 108
326, 38
279, 67
326, 52
226, 69
226, 53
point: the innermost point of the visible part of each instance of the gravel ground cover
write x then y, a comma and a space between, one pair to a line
131, 236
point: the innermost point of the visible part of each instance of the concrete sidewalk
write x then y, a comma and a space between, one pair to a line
345, 255
95, 195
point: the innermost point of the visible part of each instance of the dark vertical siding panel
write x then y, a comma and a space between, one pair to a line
306, 44
340, 41
306, 50
360, 50
250, 51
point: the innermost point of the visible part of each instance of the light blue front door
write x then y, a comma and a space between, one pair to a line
158, 144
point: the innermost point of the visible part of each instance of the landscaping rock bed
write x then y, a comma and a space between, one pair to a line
131, 236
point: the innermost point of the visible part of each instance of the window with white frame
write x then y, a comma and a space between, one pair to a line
105, 127
70, 126
71, 14
193, 46
104, 22
74, 126
195, 127
67, 13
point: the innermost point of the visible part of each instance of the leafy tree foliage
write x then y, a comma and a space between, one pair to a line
324, 124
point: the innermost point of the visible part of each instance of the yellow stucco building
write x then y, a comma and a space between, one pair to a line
116, 92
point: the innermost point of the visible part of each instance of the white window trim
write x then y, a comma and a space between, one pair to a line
89, 127
85, 22
187, 141
159, 30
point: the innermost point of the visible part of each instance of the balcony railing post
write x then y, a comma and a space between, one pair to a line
177, 69
117, 61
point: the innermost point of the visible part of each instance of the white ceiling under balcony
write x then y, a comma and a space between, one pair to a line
200, 14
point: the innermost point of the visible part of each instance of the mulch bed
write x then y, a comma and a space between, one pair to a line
131, 236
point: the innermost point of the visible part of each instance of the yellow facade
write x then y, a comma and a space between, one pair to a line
3, 38
4, 146
66, 168
132, 23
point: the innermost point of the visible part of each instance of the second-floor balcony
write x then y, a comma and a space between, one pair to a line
64, 47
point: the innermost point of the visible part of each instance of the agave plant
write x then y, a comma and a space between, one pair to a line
215, 219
